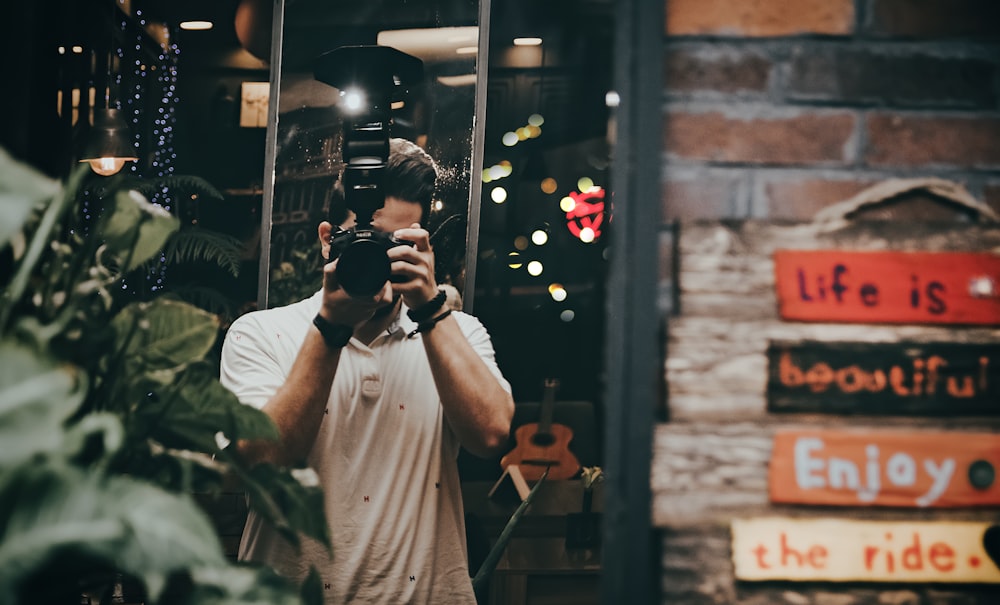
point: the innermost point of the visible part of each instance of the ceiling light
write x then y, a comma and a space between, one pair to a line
527, 41
108, 148
196, 25
466, 50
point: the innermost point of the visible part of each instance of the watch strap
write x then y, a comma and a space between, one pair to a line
336, 336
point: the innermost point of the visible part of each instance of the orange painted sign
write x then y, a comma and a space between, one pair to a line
888, 287
840, 550
870, 468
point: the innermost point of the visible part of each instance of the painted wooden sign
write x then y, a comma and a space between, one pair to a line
888, 287
883, 378
883, 468
777, 548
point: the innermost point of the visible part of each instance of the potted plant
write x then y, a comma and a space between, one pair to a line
111, 415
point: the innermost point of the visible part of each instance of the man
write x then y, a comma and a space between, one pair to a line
376, 394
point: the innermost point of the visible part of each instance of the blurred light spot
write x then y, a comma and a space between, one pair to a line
509, 139
520, 242
585, 184
586, 235
535, 268
568, 315
557, 292
567, 204
438, 205
498, 195
522, 134
549, 185
466, 50
527, 41
497, 172
533, 131
611, 99
486, 176
539, 237
536, 119
514, 260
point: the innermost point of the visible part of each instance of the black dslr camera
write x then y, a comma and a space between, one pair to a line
370, 78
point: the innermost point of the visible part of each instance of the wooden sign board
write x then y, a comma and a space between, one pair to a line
883, 378
888, 287
777, 548
875, 468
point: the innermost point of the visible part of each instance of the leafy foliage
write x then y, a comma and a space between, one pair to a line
111, 415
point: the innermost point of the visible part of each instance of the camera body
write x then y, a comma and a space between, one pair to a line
364, 263
376, 76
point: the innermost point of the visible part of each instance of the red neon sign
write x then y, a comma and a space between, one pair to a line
587, 213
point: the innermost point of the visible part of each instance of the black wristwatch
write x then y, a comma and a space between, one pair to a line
336, 336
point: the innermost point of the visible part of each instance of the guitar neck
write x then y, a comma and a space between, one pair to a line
547, 411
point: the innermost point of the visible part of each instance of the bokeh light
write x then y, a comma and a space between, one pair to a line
535, 268
539, 237
521, 242
567, 204
557, 292
549, 185
585, 184
567, 315
586, 235
498, 195
514, 260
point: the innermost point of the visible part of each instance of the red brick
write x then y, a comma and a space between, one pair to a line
759, 18
808, 138
935, 18
802, 199
703, 198
688, 70
848, 75
971, 142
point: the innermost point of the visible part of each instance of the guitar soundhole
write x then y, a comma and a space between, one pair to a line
543, 439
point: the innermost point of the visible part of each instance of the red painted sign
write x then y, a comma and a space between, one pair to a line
888, 287
869, 468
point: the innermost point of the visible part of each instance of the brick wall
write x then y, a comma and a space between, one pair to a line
776, 108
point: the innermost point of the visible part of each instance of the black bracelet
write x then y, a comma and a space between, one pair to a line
427, 326
428, 309
336, 336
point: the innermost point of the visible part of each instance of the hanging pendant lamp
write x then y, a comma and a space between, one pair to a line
108, 145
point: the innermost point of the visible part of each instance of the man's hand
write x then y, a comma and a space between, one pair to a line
414, 266
341, 308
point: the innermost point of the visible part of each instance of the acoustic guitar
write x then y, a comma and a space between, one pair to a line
543, 445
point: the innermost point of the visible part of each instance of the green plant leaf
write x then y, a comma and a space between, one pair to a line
190, 412
194, 244
36, 399
292, 501
22, 188
237, 585
136, 229
49, 509
162, 337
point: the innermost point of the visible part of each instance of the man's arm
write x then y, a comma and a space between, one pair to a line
478, 408
299, 404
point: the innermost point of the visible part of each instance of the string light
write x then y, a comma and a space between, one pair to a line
151, 99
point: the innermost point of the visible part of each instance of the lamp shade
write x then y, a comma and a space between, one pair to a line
108, 145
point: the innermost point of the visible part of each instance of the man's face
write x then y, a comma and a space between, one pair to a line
394, 214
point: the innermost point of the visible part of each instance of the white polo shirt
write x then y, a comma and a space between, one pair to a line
385, 456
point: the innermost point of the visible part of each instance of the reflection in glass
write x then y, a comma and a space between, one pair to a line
305, 155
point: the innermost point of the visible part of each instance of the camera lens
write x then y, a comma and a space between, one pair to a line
363, 268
